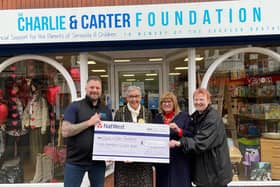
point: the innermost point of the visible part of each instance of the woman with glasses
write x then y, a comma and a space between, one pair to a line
131, 174
177, 172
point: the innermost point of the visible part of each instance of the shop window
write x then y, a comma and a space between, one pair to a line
245, 90
33, 96
70, 62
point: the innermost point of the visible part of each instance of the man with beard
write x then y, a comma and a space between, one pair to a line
80, 118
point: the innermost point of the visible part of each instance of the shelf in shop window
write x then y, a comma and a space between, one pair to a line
256, 117
249, 74
248, 136
269, 73
255, 97
217, 73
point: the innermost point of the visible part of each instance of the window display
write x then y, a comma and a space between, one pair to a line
257, 106
31, 104
245, 90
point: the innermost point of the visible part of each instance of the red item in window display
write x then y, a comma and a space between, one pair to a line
13, 75
56, 153
52, 93
13, 124
13, 68
75, 73
1, 94
31, 74
3, 113
30, 67
14, 91
3, 109
52, 129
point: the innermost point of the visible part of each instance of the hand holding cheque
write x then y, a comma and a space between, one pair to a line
95, 119
123, 141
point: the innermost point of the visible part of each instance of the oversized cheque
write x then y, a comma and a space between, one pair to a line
125, 141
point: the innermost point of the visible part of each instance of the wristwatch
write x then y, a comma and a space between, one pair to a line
178, 144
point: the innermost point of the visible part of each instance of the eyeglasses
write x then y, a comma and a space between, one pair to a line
167, 101
134, 96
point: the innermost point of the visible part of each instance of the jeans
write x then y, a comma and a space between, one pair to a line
73, 174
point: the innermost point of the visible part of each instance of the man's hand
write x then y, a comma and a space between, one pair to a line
95, 119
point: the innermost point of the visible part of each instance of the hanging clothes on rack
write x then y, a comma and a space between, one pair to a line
16, 139
36, 118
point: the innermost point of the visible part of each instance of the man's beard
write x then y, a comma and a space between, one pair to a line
94, 98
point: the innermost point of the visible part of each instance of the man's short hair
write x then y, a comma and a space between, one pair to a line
94, 78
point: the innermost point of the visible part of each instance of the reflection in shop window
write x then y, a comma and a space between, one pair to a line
245, 90
34, 95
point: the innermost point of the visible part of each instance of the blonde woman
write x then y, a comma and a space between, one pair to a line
177, 172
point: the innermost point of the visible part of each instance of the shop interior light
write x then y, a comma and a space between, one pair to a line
98, 70
196, 59
91, 62
58, 57
122, 60
151, 74
174, 73
149, 79
181, 68
130, 80
104, 75
155, 59
128, 75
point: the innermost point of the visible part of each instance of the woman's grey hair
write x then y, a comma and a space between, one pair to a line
133, 88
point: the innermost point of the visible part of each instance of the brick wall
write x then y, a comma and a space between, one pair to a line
25, 4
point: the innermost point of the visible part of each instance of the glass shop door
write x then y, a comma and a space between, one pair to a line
147, 77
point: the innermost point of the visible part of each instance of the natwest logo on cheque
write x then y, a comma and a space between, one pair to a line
99, 125
112, 126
